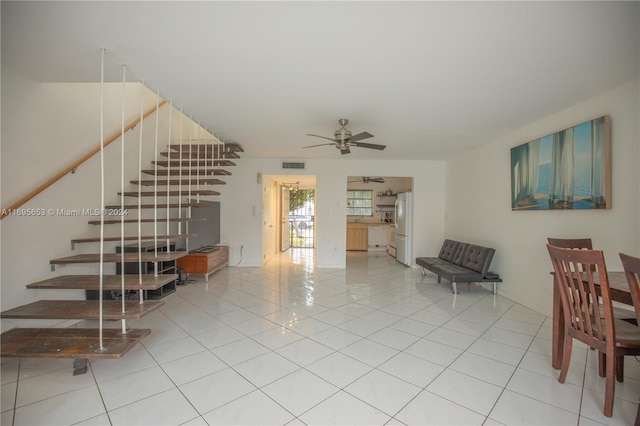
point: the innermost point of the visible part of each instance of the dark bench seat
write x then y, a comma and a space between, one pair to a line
461, 262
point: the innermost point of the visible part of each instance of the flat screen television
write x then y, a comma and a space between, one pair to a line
208, 231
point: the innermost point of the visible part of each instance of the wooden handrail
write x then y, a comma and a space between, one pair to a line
6, 212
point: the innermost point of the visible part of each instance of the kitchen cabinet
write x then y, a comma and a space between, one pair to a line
357, 236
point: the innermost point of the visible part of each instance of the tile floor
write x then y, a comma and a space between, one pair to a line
287, 344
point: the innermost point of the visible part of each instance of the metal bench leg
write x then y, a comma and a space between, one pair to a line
438, 278
495, 288
454, 286
423, 271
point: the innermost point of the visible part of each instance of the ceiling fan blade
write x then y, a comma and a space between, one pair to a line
360, 136
322, 144
323, 137
368, 145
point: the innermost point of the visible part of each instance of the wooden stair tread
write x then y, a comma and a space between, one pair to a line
159, 206
187, 172
82, 309
68, 342
194, 163
133, 238
165, 193
117, 257
195, 155
165, 182
150, 220
227, 147
109, 282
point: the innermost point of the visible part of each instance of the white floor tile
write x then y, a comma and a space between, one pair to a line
516, 409
412, 369
336, 338
475, 394
174, 349
133, 387
239, 351
384, 391
265, 369
339, 369
166, 408
263, 411
305, 351
215, 390
64, 409
344, 409
49, 385
434, 352
300, 391
369, 352
480, 367
430, 409
192, 367
546, 389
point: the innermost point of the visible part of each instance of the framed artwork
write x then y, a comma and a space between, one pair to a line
567, 170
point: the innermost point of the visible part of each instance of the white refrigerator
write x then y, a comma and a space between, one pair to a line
404, 227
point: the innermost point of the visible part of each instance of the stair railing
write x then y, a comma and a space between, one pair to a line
73, 166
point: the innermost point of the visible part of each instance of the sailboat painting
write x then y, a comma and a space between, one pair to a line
567, 170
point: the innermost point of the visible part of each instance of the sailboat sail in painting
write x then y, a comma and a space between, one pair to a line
570, 169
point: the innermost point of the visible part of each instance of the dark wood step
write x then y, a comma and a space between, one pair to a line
132, 238
160, 205
165, 193
109, 282
187, 172
82, 309
118, 258
194, 163
149, 220
196, 155
227, 147
185, 182
68, 342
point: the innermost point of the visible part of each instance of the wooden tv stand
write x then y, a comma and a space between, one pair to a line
205, 260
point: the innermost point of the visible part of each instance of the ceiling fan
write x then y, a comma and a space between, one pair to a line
367, 179
344, 140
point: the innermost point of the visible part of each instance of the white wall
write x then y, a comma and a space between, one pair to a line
45, 127
241, 205
478, 207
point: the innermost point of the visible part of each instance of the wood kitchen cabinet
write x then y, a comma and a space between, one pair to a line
357, 236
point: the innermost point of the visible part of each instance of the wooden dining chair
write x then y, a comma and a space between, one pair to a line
572, 243
631, 267
579, 273
586, 244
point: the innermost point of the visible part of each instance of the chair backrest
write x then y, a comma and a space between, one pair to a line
578, 274
572, 243
631, 267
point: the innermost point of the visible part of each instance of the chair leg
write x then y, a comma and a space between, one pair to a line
610, 383
601, 364
566, 358
620, 368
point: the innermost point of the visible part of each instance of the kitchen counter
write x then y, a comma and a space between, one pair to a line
365, 236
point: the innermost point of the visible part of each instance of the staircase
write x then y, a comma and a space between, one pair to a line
172, 178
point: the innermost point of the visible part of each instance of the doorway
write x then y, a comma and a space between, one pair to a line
301, 217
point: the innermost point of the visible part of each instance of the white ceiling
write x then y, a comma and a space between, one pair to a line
428, 79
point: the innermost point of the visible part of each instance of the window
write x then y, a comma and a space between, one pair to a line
359, 203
